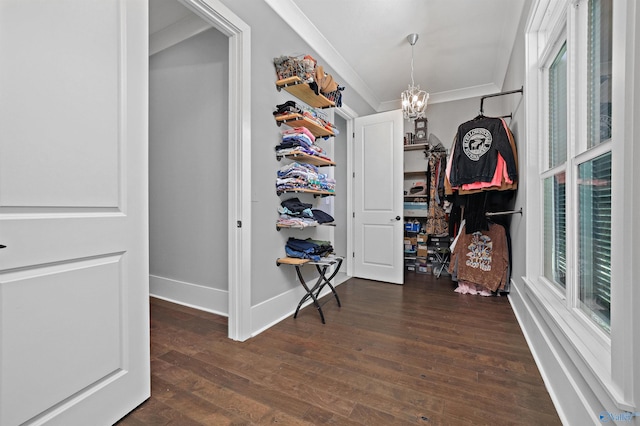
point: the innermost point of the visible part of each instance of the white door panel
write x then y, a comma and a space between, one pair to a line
74, 324
378, 197
58, 366
72, 97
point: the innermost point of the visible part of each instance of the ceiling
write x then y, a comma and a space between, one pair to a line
462, 51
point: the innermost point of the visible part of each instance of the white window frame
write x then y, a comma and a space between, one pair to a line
605, 358
557, 38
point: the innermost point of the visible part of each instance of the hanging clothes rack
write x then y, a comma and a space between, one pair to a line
508, 212
520, 90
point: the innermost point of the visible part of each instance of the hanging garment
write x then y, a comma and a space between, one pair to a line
501, 180
475, 153
482, 258
437, 222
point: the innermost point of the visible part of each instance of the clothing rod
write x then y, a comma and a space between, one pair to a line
504, 213
520, 90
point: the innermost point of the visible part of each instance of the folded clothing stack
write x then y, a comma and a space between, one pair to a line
303, 176
311, 114
299, 139
308, 249
296, 214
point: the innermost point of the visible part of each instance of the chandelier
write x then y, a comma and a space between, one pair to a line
414, 100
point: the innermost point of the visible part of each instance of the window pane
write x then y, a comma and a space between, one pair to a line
594, 215
599, 69
555, 230
558, 109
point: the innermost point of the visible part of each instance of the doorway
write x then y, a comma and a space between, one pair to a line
188, 172
198, 113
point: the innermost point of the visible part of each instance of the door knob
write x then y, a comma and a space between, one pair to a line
398, 218
1, 246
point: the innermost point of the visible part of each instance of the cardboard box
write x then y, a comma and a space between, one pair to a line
407, 244
422, 251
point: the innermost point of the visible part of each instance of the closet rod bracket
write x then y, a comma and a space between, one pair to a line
519, 211
509, 92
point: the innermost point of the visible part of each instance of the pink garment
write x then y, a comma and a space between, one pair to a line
449, 162
497, 180
465, 287
300, 130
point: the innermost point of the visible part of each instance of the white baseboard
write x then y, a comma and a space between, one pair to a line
575, 401
193, 295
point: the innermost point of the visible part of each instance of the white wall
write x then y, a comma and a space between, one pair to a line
514, 104
188, 122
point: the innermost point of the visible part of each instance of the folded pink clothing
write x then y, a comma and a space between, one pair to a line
303, 130
465, 287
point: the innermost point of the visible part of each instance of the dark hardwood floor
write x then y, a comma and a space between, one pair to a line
392, 355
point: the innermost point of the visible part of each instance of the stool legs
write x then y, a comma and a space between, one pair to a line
443, 260
310, 292
313, 293
327, 280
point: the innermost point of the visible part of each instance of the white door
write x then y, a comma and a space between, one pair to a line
378, 199
74, 315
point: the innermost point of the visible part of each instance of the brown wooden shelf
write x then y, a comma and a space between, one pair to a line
284, 226
416, 146
415, 172
298, 120
280, 226
291, 261
303, 157
303, 91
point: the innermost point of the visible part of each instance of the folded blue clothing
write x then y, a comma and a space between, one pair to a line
301, 255
301, 245
299, 138
309, 247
